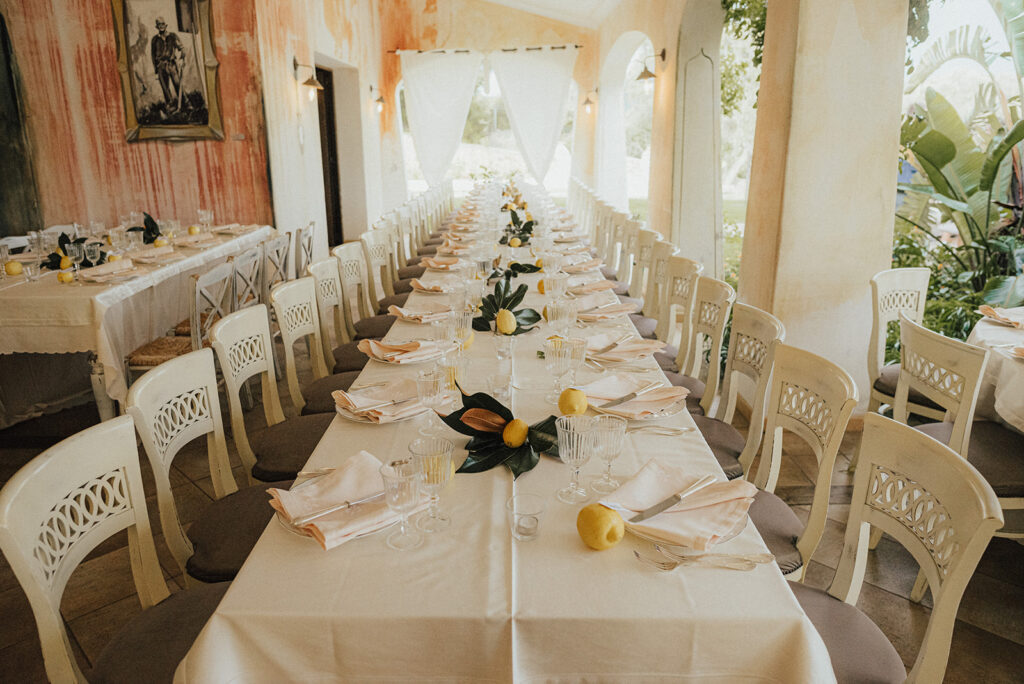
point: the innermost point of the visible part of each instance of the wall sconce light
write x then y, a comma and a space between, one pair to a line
647, 73
380, 103
311, 82
588, 104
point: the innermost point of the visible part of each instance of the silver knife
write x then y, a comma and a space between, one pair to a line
603, 350
298, 522
631, 396
672, 500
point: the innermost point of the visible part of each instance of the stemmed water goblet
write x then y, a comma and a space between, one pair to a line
401, 491
433, 458
93, 252
575, 444
431, 385
556, 363
556, 284
609, 435
76, 251
577, 355
561, 314
462, 323
205, 219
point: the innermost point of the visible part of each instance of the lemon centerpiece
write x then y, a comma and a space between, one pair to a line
505, 322
66, 263
600, 528
515, 433
515, 242
13, 268
66, 276
572, 402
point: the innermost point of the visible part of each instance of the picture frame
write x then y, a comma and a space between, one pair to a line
168, 69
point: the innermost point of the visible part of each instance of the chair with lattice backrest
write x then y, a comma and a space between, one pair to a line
643, 254
629, 235
377, 249
246, 285
941, 510
356, 290
296, 309
657, 284
275, 263
680, 293
62, 505
617, 238
602, 231
242, 344
303, 249
893, 292
408, 237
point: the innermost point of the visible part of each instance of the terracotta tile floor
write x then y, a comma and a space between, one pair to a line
988, 643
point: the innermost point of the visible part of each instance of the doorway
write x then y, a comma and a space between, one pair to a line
19, 200
329, 155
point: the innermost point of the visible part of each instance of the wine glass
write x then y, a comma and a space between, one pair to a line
5, 254
401, 490
556, 362
135, 240
462, 322
76, 251
97, 229
93, 252
433, 458
561, 314
555, 284
205, 219
577, 355
575, 443
431, 384
609, 435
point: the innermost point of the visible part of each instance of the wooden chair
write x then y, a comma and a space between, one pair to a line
656, 293
246, 282
357, 289
378, 250
303, 247
646, 318
680, 296
894, 292
275, 264
755, 336
62, 505
938, 507
337, 330
712, 305
172, 405
242, 343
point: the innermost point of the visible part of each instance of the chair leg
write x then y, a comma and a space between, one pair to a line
920, 587
876, 536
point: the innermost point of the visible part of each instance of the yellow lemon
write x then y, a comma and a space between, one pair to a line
505, 322
113, 257
66, 277
540, 286
572, 402
529, 216
600, 528
468, 342
514, 433
540, 263
515, 242
13, 268
544, 312
160, 242
66, 262
193, 230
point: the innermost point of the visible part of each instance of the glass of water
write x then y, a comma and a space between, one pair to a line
524, 515
433, 458
609, 436
401, 490
575, 444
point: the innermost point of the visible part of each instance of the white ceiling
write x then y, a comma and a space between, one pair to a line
587, 13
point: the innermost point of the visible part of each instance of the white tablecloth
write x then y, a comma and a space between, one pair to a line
48, 317
1002, 393
473, 604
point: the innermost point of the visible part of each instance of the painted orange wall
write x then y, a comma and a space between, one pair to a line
65, 51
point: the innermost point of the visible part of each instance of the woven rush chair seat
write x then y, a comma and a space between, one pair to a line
149, 648
779, 527
645, 325
726, 444
886, 382
859, 651
318, 393
184, 328
996, 451
374, 327
347, 357
157, 351
696, 387
227, 531
283, 448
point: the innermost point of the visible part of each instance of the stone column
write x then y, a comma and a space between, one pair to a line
823, 178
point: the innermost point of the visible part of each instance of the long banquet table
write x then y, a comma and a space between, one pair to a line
473, 604
1001, 396
47, 317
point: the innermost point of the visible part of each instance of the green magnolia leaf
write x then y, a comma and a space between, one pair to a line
524, 268
522, 459
543, 436
526, 316
516, 220
503, 240
479, 461
486, 401
937, 196
516, 298
997, 152
1005, 291
481, 324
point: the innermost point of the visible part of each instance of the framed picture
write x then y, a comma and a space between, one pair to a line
168, 70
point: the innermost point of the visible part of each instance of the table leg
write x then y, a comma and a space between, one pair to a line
104, 403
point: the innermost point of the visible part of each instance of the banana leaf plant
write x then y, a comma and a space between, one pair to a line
483, 418
520, 229
504, 298
150, 230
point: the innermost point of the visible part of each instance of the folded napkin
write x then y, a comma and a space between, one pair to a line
1014, 319
420, 314
107, 270
456, 237
561, 228
573, 249
699, 521
646, 405
151, 253
568, 238
591, 287
440, 263
442, 285
462, 228
235, 229
452, 248
367, 402
357, 478
612, 311
402, 352
1017, 352
197, 239
582, 267
630, 350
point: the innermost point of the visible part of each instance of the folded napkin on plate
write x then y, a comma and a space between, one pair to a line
592, 287
568, 238
630, 350
574, 250
617, 385
1012, 318
699, 521
197, 239
443, 285
151, 253
440, 263
402, 352
563, 227
108, 269
582, 267
420, 314
236, 229
453, 248
462, 228
456, 237
357, 478
608, 312
367, 402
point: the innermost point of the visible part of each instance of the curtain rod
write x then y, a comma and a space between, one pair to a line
463, 52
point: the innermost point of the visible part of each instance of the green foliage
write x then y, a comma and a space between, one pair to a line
746, 19
505, 298
734, 73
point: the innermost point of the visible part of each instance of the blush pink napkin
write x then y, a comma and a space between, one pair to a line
999, 315
613, 386
591, 265
630, 350
356, 478
607, 312
419, 314
409, 352
436, 286
699, 521
452, 248
107, 269
359, 401
440, 263
590, 288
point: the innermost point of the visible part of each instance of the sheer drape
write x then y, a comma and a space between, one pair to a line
438, 92
534, 85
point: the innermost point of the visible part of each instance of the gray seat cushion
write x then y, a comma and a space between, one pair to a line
434, 239
726, 444
886, 383
281, 450
347, 357
374, 327
412, 262
609, 273
696, 388
638, 302
396, 300
858, 649
996, 451
621, 289
429, 250
666, 358
412, 271
404, 286
150, 646
227, 530
318, 393
645, 325
779, 527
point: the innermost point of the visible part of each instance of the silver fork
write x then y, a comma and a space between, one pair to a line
756, 558
698, 561
661, 429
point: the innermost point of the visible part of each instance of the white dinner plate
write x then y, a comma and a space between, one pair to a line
426, 359
431, 292
680, 549
673, 409
359, 418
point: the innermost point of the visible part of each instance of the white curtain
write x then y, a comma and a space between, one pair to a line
534, 85
438, 91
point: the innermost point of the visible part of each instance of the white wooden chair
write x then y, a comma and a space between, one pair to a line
752, 343
357, 290
712, 304
296, 309
242, 343
893, 292
172, 405
655, 294
62, 505
246, 285
378, 250
680, 294
275, 264
938, 507
646, 318
812, 398
337, 330
303, 250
